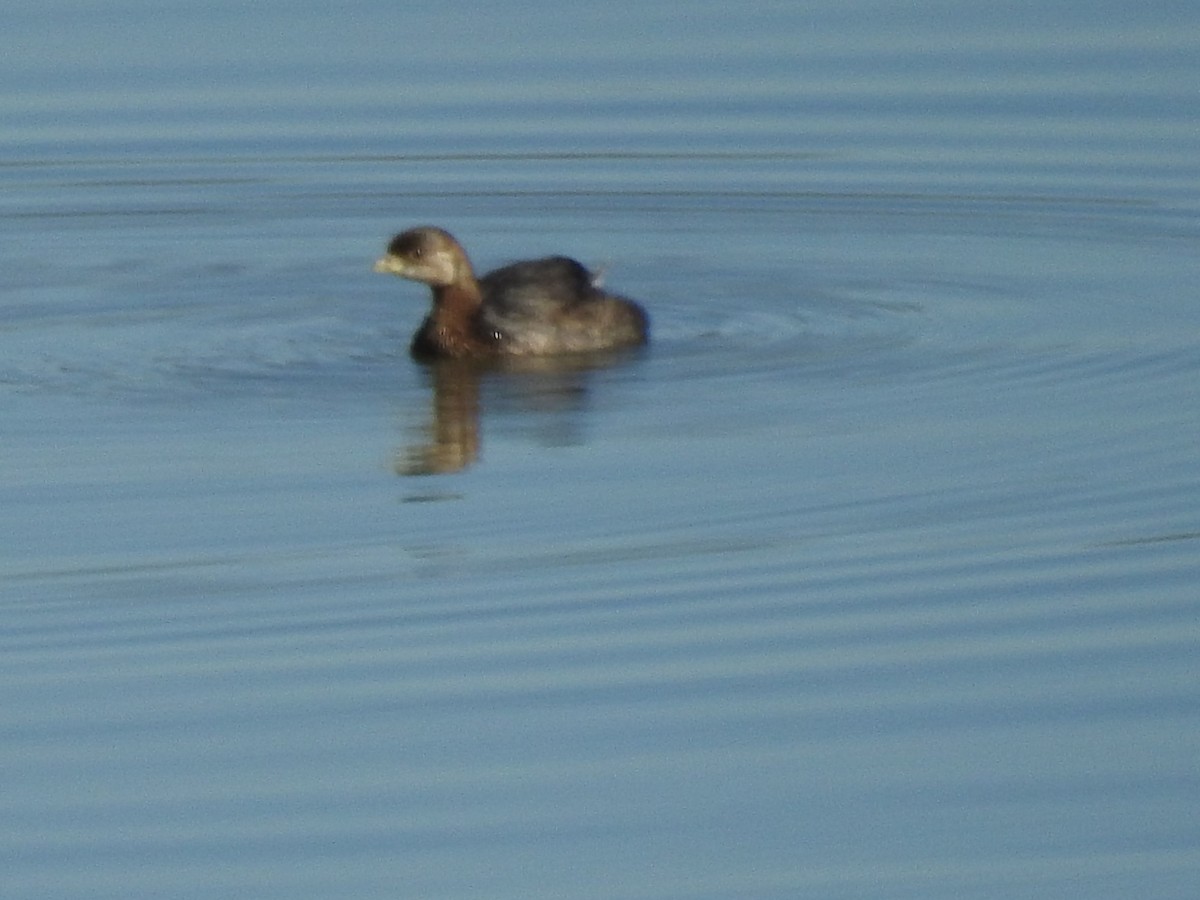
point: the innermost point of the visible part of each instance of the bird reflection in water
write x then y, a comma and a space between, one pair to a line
451, 440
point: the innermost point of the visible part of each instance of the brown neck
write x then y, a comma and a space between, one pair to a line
452, 317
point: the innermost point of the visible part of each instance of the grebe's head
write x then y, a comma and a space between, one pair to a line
429, 255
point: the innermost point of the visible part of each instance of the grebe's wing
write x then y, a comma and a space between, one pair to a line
536, 288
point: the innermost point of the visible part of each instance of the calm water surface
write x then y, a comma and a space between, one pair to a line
875, 576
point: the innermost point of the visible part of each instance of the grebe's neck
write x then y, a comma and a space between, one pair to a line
452, 319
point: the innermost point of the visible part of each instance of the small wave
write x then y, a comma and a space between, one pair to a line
146, 356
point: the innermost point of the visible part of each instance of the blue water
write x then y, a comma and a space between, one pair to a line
875, 576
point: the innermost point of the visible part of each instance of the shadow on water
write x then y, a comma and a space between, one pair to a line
450, 440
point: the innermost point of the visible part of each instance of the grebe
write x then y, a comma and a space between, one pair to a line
532, 308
